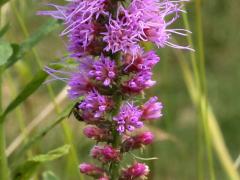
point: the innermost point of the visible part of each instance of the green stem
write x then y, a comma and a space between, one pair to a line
4, 172
198, 65
114, 167
117, 97
197, 82
203, 105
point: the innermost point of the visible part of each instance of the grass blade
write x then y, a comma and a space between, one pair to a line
5, 52
20, 50
29, 89
26, 170
38, 136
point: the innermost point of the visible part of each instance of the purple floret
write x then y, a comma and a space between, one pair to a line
140, 81
104, 70
95, 105
143, 20
142, 61
122, 33
79, 85
128, 119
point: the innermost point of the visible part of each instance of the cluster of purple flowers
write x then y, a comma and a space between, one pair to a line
104, 38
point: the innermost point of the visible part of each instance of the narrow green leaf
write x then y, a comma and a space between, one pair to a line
49, 175
42, 133
26, 170
5, 52
44, 30
31, 87
20, 50
4, 30
16, 55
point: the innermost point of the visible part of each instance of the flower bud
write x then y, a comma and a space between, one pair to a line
96, 133
137, 141
136, 171
91, 170
152, 109
105, 154
141, 61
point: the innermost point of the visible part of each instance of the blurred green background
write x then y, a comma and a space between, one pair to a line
178, 149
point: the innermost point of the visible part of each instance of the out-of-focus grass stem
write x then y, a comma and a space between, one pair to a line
203, 86
73, 160
19, 110
197, 84
217, 138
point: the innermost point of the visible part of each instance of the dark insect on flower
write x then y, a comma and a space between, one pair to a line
75, 111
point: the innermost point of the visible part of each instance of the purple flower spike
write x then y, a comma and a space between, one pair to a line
95, 104
152, 109
139, 82
128, 118
103, 70
105, 40
136, 171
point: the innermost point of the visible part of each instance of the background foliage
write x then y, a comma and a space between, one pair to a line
35, 43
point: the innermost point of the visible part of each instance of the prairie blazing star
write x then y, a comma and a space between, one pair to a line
105, 38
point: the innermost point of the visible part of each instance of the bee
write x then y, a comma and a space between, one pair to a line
75, 111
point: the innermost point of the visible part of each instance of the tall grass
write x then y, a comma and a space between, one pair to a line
198, 90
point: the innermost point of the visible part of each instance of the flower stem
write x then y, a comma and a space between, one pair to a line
117, 97
4, 175
114, 167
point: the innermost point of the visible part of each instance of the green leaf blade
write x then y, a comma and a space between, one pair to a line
31, 87
19, 51
5, 52
27, 169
